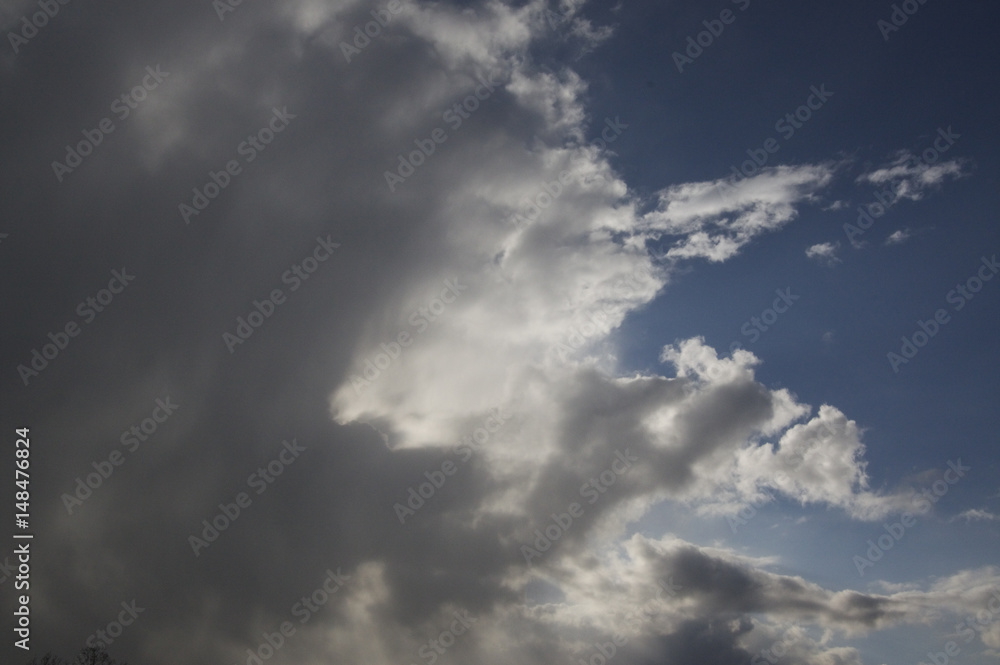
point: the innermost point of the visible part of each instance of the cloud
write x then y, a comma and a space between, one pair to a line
534, 334
975, 514
715, 219
825, 252
898, 237
667, 598
524, 317
910, 177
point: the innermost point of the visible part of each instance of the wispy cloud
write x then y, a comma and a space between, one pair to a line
898, 237
976, 515
910, 177
715, 219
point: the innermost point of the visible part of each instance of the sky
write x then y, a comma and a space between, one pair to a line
532, 332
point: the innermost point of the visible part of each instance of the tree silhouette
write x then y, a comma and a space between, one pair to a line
96, 656
47, 659
87, 656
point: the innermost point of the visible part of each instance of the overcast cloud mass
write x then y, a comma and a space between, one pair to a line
497, 332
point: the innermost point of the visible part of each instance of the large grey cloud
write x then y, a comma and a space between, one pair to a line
531, 331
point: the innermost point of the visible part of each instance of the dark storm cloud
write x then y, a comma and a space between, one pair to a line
320, 178
163, 335
704, 641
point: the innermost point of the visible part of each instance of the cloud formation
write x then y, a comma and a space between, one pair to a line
715, 219
825, 252
909, 176
436, 312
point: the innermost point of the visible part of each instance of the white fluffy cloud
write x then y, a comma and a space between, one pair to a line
825, 252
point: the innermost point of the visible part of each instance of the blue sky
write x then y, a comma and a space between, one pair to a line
889, 96
540, 365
